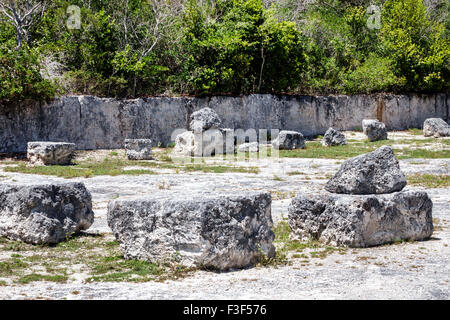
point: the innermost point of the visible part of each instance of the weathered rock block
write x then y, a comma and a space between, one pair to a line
138, 149
214, 231
362, 221
50, 153
204, 144
374, 130
371, 173
436, 127
333, 138
288, 140
204, 119
249, 147
42, 214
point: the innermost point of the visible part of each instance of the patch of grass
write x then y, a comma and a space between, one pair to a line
42, 277
98, 256
113, 153
115, 167
277, 178
415, 131
315, 150
429, 180
295, 173
314, 248
3, 283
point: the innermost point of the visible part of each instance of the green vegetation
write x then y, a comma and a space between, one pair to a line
117, 165
300, 249
429, 180
139, 48
96, 255
412, 149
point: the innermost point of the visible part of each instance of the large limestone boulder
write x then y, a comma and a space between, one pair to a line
361, 221
204, 119
50, 153
204, 144
436, 127
374, 130
371, 173
288, 140
43, 214
333, 138
138, 149
213, 231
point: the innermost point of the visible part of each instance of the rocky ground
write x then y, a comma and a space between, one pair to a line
419, 270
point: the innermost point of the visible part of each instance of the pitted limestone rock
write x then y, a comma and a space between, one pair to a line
362, 221
436, 127
204, 119
333, 138
374, 130
204, 144
50, 153
215, 231
288, 140
372, 173
42, 214
138, 149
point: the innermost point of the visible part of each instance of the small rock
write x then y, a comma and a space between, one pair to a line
214, 231
333, 138
371, 173
50, 153
138, 149
288, 140
436, 127
374, 130
43, 214
204, 119
249, 147
361, 221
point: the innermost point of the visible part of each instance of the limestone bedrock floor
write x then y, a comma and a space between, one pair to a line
419, 270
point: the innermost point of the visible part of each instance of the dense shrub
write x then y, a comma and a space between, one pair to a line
141, 47
20, 77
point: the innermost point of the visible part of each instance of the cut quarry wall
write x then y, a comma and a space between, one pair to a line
103, 123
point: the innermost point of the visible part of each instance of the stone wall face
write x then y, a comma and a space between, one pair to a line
100, 123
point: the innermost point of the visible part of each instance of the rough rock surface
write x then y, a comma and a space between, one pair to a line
50, 153
333, 138
215, 231
204, 144
362, 221
138, 149
288, 140
104, 123
374, 130
371, 173
436, 127
204, 119
249, 147
42, 214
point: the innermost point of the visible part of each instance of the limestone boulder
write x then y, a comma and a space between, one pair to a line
213, 231
333, 138
138, 149
204, 144
374, 130
362, 221
44, 214
50, 153
436, 127
289, 140
371, 173
204, 119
